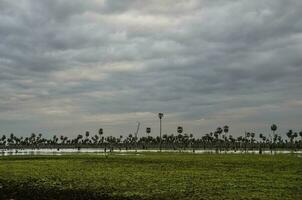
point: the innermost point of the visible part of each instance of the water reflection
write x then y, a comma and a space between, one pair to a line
101, 151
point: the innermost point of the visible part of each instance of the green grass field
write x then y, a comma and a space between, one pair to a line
151, 176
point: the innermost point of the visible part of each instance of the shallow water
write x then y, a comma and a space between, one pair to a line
101, 151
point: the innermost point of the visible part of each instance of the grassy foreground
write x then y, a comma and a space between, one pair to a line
151, 176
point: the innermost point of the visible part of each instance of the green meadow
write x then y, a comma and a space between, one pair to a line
151, 176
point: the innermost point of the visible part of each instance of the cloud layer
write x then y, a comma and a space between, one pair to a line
67, 66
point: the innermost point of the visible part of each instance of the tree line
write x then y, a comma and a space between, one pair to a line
219, 140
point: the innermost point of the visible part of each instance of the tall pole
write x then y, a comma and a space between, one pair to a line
136, 133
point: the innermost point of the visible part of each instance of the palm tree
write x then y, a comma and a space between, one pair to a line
55, 139
95, 139
87, 135
300, 134
240, 140
219, 130
289, 134
295, 135
79, 137
252, 139
274, 128
217, 133
129, 140
260, 145
32, 139
261, 135
247, 136
191, 141
160, 116
120, 142
11, 139
226, 129
62, 139
100, 131
3, 139
101, 137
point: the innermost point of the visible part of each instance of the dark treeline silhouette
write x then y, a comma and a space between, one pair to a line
219, 140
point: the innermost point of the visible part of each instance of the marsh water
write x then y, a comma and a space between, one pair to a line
101, 151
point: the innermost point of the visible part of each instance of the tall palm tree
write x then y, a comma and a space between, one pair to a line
274, 128
100, 131
290, 134
101, 136
260, 145
226, 129
62, 139
87, 134
87, 137
160, 116
79, 138
252, 139
95, 139
295, 135
261, 135
247, 140
3, 139
12, 139
219, 130
55, 140
32, 139
217, 133
300, 134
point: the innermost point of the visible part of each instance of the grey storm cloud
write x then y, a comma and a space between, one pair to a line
71, 65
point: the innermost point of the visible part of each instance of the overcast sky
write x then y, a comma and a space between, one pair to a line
67, 66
